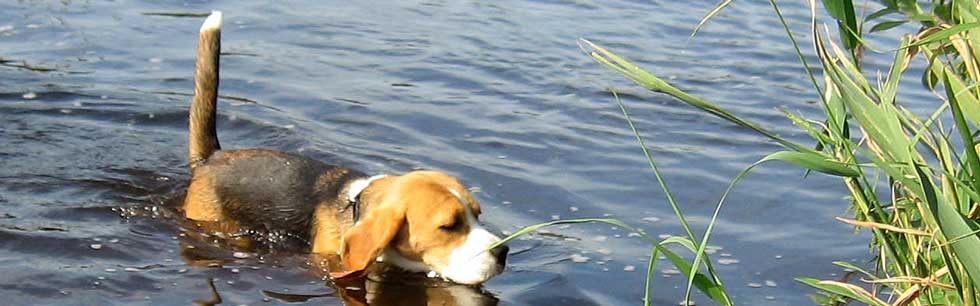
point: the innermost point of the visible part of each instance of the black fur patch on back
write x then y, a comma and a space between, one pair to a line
273, 191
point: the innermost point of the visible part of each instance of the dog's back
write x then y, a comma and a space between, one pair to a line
256, 188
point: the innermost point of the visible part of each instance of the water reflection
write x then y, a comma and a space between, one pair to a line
397, 288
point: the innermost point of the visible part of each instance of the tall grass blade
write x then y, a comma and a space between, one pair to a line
844, 289
704, 20
843, 11
890, 88
707, 285
945, 33
953, 224
799, 52
972, 161
653, 167
960, 91
699, 252
815, 162
879, 121
653, 83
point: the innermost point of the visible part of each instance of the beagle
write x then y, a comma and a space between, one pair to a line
422, 221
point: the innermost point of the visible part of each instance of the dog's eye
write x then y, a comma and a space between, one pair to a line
452, 227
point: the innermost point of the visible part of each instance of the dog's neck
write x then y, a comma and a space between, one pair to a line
354, 193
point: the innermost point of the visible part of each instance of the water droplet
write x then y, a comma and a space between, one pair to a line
29, 96
95, 246
770, 283
240, 255
629, 268
755, 285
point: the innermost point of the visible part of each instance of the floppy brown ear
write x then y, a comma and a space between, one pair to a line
365, 241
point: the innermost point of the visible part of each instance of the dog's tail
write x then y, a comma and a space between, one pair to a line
202, 133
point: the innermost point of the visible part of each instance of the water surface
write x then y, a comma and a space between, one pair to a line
94, 97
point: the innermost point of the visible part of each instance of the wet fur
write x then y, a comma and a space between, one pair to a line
273, 191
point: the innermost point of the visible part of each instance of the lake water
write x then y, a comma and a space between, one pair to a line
94, 98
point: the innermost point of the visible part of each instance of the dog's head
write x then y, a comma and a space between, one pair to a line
423, 221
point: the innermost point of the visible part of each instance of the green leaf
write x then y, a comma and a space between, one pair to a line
879, 121
836, 8
954, 224
844, 289
843, 11
890, 89
972, 160
945, 33
885, 25
968, 103
880, 13
815, 162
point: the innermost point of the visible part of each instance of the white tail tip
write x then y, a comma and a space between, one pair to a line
213, 21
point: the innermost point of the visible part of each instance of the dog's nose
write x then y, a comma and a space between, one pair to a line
500, 253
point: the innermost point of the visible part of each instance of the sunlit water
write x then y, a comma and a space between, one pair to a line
94, 95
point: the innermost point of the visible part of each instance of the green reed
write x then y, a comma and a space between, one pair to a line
924, 232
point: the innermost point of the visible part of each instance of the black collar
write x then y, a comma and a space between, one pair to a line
355, 208
354, 192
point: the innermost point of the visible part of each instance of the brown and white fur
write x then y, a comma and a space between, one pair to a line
423, 221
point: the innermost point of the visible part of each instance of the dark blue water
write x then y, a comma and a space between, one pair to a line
94, 96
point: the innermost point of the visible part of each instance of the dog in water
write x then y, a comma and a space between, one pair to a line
423, 221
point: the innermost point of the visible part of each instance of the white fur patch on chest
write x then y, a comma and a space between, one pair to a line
358, 186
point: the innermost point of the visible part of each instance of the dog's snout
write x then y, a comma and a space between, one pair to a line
500, 253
